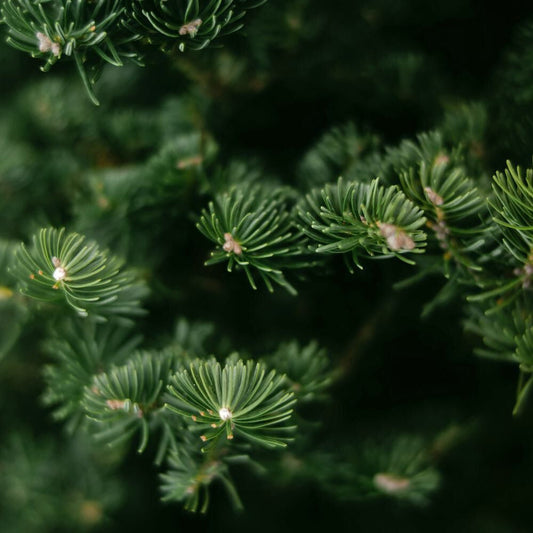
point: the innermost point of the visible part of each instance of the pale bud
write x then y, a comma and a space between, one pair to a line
225, 414
397, 239
390, 483
47, 45
231, 245
190, 28
59, 274
433, 197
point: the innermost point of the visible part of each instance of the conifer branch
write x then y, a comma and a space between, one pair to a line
177, 25
128, 178
453, 206
126, 399
239, 400
188, 479
80, 349
307, 369
64, 267
89, 32
253, 230
360, 219
97, 32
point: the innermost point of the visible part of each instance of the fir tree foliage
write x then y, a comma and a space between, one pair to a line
507, 334
13, 311
341, 151
512, 215
466, 122
307, 369
452, 205
190, 475
513, 212
398, 468
253, 230
430, 147
511, 123
187, 481
124, 399
104, 388
79, 349
183, 24
89, 32
240, 400
61, 266
128, 181
193, 337
362, 219
97, 32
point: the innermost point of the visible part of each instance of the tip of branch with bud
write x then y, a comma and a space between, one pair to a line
47, 45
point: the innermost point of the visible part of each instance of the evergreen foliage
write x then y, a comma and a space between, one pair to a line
100, 32
353, 218
253, 228
90, 32
307, 369
513, 208
80, 350
190, 24
396, 468
62, 266
238, 400
324, 135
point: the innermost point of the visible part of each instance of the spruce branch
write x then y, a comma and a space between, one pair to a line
362, 219
65, 267
81, 348
189, 476
177, 25
507, 334
453, 205
89, 32
253, 230
240, 400
307, 368
511, 206
128, 399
